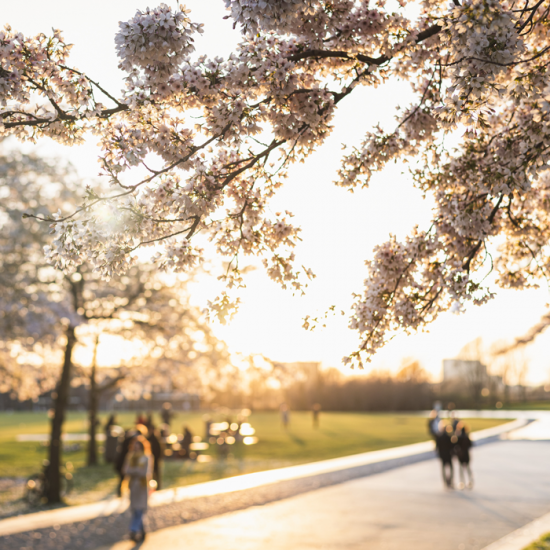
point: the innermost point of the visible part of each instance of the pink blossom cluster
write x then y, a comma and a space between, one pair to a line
37, 66
217, 136
483, 41
259, 15
156, 41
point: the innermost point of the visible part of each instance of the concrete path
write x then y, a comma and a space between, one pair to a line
406, 508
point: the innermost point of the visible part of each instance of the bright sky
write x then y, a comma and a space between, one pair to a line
340, 229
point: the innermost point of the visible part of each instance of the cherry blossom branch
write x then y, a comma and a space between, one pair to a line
189, 230
496, 63
324, 54
530, 18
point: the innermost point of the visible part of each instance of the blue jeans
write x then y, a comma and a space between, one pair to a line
136, 525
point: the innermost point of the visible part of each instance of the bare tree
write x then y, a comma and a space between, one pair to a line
412, 371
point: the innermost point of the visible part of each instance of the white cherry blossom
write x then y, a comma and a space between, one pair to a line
217, 137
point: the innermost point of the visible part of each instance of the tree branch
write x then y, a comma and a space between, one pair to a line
321, 54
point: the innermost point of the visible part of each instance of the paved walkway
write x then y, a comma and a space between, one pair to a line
406, 508
93, 525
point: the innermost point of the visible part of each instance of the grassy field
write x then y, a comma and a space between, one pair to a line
542, 544
339, 434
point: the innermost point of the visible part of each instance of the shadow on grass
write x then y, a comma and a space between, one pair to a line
296, 439
330, 433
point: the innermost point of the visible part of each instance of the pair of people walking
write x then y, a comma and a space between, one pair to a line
452, 440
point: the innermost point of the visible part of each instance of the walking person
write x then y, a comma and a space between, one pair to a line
462, 451
157, 451
207, 424
285, 415
186, 441
123, 449
444, 447
110, 422
112, 435
149, 424
316, 411
138, 466
166, 413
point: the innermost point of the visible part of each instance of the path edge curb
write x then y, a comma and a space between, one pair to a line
520, 538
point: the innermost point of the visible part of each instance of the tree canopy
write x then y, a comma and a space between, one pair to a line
39, 303
217, 136
45, 310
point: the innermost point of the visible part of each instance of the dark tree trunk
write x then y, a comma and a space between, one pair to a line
53, 485
92, 411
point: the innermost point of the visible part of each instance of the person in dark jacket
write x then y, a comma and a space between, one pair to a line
110, 422
149, 424
156, 452
444, 447
186, 441
166, 413
316, 409
462, 451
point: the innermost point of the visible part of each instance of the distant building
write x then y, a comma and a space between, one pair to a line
455, 370
471, 376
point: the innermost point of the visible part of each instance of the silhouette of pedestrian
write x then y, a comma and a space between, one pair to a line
112, 439
110, 422
186, 441
316, 411
285, 415
207, 424
445, 450
462, 451
156, 451
166, 413
149, 424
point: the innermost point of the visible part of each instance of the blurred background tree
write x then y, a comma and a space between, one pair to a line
45, 313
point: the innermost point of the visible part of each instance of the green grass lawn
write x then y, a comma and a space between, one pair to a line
339, 434
542, 544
